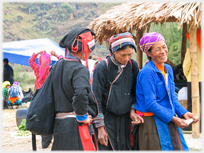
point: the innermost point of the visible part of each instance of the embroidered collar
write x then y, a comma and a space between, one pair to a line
69, 56
120, 66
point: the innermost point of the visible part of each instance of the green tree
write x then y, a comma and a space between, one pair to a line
175, 53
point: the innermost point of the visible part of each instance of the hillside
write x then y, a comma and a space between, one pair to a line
23, 21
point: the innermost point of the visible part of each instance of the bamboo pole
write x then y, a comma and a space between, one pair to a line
194, 80
184, 40
139, 35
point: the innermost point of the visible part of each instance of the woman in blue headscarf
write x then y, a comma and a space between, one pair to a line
114, 81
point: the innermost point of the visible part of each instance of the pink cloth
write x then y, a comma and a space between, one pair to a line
141, 114
36, 69
44, 61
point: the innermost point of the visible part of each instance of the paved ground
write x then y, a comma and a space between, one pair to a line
194, 143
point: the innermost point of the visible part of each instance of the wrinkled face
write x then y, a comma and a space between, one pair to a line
159, 52
123, 56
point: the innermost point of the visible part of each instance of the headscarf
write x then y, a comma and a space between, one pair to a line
6, 83
15, 83
118, 41
79, 39
149, 39
44, 61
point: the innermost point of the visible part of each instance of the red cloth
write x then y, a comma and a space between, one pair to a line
198, 37
86, 138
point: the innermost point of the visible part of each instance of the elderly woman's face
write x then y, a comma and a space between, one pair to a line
123, 56
159, 52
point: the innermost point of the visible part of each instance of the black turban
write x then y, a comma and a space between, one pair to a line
68, 40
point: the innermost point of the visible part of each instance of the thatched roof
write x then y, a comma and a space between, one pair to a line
132, 16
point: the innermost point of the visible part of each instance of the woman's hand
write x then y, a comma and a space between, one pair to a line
189, 115
102, 136
53, 53
136, 119
40, 52
88, 120
179, 122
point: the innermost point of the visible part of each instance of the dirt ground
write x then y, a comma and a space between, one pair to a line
11, 139
13, 142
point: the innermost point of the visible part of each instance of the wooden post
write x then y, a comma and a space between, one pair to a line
139, 35
194, 79
183, 44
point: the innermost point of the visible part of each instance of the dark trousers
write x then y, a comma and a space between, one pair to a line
189, 103
46, 140
5, 105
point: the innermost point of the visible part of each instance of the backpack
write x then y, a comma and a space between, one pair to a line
27, 96
41, 112
14, 91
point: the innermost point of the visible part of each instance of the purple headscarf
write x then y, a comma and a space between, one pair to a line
16, 83
149, 39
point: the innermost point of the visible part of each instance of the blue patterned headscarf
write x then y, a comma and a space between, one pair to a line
118, 41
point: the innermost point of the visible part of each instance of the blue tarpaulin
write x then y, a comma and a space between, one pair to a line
19, 52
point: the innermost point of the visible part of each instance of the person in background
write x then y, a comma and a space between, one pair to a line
75, 105
8, 71
14, 95
6, 87
187, 73
114, 81
21, 96
156, 101
41, 72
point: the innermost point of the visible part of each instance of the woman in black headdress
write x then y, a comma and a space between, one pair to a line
75, 105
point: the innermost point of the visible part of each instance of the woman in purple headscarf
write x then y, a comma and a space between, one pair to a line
156, 102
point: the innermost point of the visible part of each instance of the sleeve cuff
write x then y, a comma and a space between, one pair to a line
60, 56
99, 121
81, 118
132, 107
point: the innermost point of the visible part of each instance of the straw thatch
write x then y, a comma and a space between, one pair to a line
133, 16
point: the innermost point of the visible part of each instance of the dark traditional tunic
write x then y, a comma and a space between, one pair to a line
8, 73
72, 92
114, 106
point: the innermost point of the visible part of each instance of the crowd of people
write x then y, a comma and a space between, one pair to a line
120, 107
